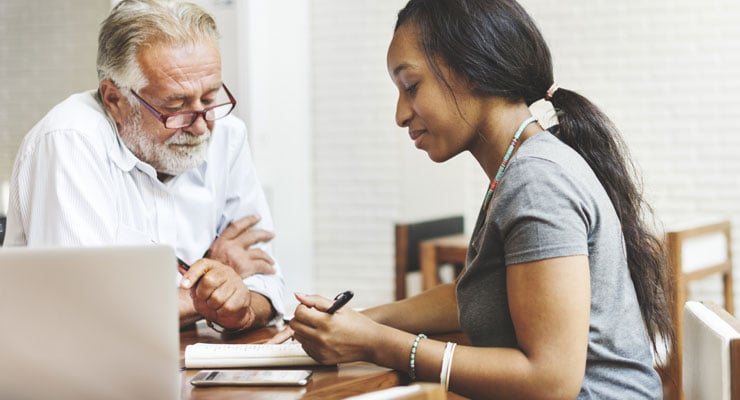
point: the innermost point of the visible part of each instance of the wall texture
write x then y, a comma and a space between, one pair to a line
665, 71
47, 52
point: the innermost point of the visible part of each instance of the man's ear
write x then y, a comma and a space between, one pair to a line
113, 100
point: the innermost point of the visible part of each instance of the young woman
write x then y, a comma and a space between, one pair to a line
565, 288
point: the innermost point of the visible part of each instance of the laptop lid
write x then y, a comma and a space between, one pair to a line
89, 323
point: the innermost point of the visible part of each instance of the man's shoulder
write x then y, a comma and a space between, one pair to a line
80, 112
78, 109
79, 117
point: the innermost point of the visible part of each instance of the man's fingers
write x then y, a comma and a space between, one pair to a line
191, 277
235, 228
253, 236
220, 296
260, 255
263, 267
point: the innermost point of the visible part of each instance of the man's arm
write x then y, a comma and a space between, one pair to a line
246, 202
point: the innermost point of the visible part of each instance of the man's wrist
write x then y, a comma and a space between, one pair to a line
262, 310
226, 331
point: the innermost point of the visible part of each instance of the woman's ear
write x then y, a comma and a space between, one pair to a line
113, 100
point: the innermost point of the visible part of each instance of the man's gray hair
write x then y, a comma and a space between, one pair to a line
133, 24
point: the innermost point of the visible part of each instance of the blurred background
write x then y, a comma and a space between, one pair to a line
312, 85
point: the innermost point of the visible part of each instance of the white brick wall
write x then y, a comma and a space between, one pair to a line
357, 160
47, 52
665, 71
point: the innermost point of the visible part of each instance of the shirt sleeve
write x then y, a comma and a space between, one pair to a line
246, 196
542, 212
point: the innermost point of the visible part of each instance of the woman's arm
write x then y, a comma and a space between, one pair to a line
549, 302
431, 312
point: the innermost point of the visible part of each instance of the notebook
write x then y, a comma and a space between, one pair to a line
89, 323
214, 355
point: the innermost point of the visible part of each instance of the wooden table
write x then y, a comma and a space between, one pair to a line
434, 252
335, 382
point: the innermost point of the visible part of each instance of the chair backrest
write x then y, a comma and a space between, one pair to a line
711, 353
3, 220
408, 236
696, 250
417, 391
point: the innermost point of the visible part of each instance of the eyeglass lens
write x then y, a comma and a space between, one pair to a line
188, 118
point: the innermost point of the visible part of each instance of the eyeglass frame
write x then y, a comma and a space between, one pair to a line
164, 117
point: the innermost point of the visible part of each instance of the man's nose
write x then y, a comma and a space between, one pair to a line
199, 126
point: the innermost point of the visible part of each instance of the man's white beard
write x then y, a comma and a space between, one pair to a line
167, 157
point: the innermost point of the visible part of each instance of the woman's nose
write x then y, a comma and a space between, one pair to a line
403, 112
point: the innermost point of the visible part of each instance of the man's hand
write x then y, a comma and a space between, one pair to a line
219, 295
234, 248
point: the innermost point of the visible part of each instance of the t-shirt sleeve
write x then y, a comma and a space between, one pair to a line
541, 212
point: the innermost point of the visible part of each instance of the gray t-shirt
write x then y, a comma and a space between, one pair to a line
550, 204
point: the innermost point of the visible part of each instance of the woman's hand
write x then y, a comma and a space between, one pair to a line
343, 336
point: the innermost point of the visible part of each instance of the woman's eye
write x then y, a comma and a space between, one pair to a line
411, 89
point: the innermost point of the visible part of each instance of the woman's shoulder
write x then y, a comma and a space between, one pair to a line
544, 155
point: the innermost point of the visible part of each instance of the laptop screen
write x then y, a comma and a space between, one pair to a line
81, 323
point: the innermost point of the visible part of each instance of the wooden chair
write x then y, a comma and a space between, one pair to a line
408, 237
417, 391
696, 251
711, 353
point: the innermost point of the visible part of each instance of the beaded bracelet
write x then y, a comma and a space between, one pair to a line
412, 356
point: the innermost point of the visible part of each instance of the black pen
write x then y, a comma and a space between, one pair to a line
183, 264
180, 262
339, 301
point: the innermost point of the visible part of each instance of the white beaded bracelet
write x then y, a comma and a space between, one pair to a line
412, 356
444, 373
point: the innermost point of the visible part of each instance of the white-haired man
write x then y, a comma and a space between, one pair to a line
154, 156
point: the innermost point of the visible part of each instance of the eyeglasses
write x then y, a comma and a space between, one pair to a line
183, 119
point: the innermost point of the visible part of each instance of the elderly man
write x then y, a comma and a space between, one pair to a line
154, 156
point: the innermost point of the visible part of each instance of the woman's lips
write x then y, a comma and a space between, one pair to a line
417, 135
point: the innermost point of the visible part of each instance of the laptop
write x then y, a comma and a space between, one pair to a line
89, 323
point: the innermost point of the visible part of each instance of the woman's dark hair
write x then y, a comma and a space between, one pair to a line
495, 47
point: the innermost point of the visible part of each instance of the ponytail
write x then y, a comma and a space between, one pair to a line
589, 131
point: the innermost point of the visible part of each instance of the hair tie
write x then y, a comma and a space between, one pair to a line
551, 91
